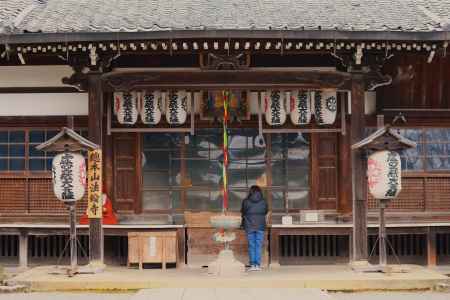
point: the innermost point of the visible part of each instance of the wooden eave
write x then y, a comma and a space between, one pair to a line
385, 138
251, 79
64, 37
67, 138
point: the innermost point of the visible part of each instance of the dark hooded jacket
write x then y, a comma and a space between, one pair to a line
254, 210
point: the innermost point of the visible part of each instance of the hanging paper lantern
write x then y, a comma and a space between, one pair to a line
125, 106
69, 176
325, 107
300, 103
274, 110
176, 107
150, 108
384, 174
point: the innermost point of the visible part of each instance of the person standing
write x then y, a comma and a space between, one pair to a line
254, 209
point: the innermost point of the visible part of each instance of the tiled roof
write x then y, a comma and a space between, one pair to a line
50, 16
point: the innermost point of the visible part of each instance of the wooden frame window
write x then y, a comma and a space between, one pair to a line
18, 152
432, 153
182, 172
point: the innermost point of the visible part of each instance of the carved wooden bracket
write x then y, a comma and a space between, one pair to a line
224, 62
82, 65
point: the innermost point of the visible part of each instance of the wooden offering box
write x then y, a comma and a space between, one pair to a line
152, 247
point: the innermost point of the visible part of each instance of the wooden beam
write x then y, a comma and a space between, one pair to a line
359, 168
96, 245
253, 79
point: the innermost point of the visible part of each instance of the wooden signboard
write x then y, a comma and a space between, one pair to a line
95, 204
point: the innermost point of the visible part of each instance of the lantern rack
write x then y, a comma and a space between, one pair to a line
191, 129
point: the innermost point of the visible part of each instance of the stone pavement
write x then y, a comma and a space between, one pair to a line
231, 293
334, 278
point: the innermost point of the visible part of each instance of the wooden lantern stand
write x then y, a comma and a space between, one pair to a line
68, 140
385, 138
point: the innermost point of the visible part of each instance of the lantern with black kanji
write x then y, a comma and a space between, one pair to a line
69, 176
274, 107
176, 107
325, 107
125, 107
150, 108
384, 174
300, 107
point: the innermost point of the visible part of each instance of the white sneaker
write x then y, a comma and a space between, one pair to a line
253, 268
257, 268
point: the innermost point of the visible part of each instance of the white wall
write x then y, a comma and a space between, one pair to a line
43, 104
33, 76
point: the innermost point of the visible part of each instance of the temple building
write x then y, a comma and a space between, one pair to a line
302, 81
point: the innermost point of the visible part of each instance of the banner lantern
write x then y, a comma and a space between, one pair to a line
300, 107
125, 106
384, 174
176, 107
274, 110
69, 176
325, 107
150, 108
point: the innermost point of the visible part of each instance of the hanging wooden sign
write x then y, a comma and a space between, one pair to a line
69, 176
384, 174
125, 107
176, 107
300, 107
274, 109
150, 107
95, 201
325, 107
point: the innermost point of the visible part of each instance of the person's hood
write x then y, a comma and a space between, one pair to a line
255, 197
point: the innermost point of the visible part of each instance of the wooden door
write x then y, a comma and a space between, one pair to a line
324, 170
126, 173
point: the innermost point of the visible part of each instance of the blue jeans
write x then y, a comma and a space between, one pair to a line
255, 241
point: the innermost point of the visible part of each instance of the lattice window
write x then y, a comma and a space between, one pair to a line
18, 149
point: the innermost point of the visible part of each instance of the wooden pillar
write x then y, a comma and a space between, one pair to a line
274, 236
359, 170
95, 123
431, 247
345, 171
108, 171
23, 249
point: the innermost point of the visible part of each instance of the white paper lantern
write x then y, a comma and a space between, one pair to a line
325, 107
150, 108
384, 174
69, 176
125, 106
300, 104
176, 107
274, 109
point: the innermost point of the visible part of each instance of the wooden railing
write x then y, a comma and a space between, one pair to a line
31, 196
